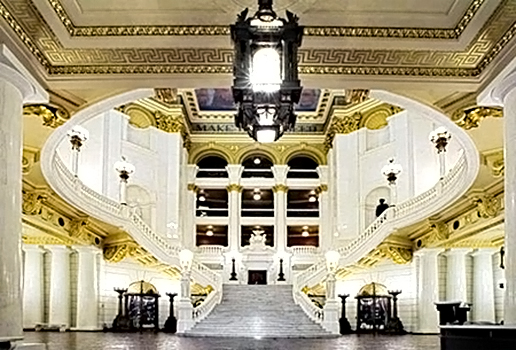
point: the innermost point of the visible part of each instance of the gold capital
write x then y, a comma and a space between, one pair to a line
235, 187
280, 188
193, 188
322, 188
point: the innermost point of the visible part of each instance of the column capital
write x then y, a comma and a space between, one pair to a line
485, 252
191, 172
322, 171
193, 187
84, 249
56, 249
32, 248
234, 172
321, 188
428, 252
235, 187
13, 71
458, 251
280, 173
279, 188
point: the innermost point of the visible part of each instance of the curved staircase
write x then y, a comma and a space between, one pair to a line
255, 311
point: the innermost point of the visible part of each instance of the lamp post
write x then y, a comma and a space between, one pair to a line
124, 169
344, 326
391, 171
184, 305
233, 276
77, 135
266, 84
440, 138
171, 322
281, 275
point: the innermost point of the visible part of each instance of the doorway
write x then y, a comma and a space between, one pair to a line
257, 277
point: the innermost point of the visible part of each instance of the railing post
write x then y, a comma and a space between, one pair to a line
184, 305
331, 308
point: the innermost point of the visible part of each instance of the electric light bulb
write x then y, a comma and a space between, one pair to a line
257, 197
209, 233
257, 161
312, 199
202, 198
266, 70
305, 234
266, 136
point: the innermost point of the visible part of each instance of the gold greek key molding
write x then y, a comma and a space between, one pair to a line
279, 188
471, 117
235, 187
218, 30
53, 117
28, 24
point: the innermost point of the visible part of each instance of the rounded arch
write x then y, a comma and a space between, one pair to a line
372, 200
305, 150
256, 150
195, 156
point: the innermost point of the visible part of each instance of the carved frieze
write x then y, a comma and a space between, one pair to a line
471, 117
52, 116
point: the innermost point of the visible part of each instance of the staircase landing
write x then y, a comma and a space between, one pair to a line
257, 311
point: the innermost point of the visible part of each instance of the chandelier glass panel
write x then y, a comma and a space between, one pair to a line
266, 84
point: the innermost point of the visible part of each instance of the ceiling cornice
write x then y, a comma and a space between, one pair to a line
318, 31
29, 25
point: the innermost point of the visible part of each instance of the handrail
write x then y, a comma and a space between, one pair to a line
404, 214
200, 312
76, 192
314, 312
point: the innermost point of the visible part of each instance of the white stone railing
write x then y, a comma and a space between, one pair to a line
105, 209
211, 250
404, 214
314, 312
304, 251
200, 312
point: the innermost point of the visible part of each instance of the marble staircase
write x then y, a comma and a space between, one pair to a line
259, 311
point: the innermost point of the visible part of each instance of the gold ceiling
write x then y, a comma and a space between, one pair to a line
458, 61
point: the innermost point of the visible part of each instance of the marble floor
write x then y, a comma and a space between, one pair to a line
160, 341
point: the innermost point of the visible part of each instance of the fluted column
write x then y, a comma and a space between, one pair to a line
483, 308
456, 275
189, 227
87, 288
280, 214
235, 199
32, 286
16, 88
59, 300
428, 290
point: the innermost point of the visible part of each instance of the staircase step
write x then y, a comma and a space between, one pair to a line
258, 312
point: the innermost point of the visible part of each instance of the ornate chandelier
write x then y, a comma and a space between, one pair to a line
266, 84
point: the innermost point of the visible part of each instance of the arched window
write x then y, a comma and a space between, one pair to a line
302, 167
257, 166
212, 166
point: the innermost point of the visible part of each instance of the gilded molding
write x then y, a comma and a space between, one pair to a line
27, 23
45, 240
117, 253
29, 159
321, 188
280, 188
217, 30
167, 96
488, 206
399, 255
193, 188
235, 187
53, 117
471, 117
32, 202
494, 159
440, 231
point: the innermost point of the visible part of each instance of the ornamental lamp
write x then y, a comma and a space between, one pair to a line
391, 171
265, 76
78, 135
440, 138
124, 169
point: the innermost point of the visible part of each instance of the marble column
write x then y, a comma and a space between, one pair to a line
280, 213
87, 288
456, 275
428, 290
59, 300
483, 308
33, 291
16, 87
510, 204
325, 234
235, 199
189, 230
